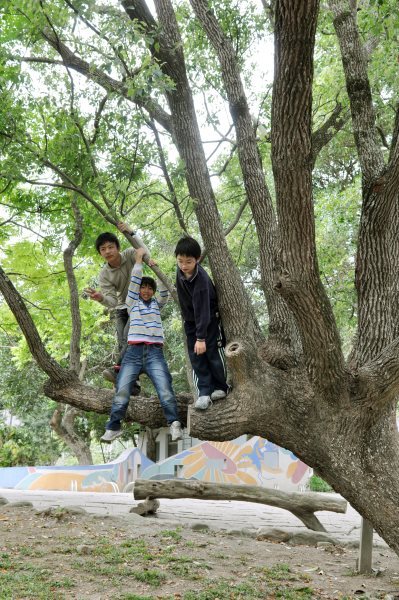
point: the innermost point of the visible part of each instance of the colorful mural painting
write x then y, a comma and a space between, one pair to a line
111, 477
254, 462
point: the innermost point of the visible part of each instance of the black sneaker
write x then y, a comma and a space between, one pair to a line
136, 390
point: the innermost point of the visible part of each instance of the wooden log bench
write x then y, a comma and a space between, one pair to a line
301, 504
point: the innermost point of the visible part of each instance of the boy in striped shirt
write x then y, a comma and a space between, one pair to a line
144, 352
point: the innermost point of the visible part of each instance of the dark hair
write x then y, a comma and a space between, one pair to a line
149, 281
106, 237
188, 246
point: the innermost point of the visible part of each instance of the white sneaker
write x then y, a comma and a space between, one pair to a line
175, 431
218, 395
111, 435
203, 402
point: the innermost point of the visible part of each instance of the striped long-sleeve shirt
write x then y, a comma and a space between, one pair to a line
145, 318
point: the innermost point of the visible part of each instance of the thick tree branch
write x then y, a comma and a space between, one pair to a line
281, 325
358, 87
377, 260
28, 328
303, 506
146, 411
236, 310
377, 382
299, 280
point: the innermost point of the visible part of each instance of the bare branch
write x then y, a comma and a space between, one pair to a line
71, 60
167, 178
96, 174
38, 59
90, 25
76, 326
358, 88
226, 162
334, 123
97, 119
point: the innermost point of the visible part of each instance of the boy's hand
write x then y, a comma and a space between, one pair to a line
124, 228
94, 295
200, 347
152, 262
139, 253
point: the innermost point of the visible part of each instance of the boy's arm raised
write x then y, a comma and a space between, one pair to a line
163, 294
133, 292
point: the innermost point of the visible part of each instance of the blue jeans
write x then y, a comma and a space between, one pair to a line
150, 360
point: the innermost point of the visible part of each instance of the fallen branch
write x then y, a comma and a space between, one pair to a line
302, 505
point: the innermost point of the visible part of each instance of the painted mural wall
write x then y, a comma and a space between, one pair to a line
253, 462
111, 477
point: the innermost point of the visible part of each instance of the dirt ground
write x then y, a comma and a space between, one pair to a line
62, 553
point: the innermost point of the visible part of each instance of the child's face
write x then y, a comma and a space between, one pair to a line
187, 264
146, 292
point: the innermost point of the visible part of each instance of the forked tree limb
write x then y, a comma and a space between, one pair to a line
303, 506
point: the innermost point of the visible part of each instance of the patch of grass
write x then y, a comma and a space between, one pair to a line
277, 572
135, 597
305, 593
175, 534
225, 589
282, 572
172, 558
280, 579
29, 551
137, 548
149, 576
184, 571
24, 580
5, 560
63, 583
99, 567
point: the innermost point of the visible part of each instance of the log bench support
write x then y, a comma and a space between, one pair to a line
302, 505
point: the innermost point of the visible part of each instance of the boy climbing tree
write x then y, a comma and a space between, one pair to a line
144, 352
114, 282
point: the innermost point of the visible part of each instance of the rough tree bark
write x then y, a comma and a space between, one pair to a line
303, 506
337, 416
63, 423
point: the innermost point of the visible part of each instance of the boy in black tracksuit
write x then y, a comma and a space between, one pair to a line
205, 338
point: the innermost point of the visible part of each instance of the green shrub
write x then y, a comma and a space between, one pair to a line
317, 484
